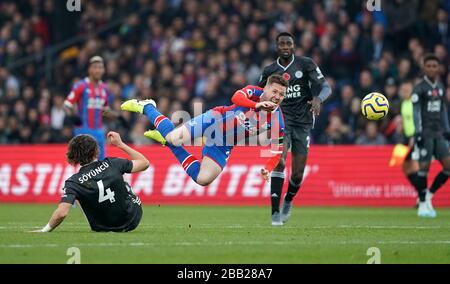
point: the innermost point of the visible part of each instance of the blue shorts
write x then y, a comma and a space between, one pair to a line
99, 136
208, 122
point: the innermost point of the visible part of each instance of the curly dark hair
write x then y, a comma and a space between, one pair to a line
82, 150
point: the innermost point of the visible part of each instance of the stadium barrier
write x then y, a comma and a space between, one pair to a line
335, 176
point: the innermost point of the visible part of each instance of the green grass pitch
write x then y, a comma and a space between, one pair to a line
185, 234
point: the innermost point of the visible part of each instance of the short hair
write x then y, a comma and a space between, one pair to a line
284, 34
431, 57
95, 59
277, 78
82, 150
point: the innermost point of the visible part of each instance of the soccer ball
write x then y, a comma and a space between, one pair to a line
374, 106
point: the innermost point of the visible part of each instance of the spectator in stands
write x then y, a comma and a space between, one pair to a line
371, 136
176, 53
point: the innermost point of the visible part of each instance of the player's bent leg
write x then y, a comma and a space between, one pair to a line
136, 220
148, 107
214, 161
209, 170
444, 160
438, 182
179, 136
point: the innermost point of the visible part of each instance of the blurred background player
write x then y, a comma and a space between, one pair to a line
409, 166
106, 199
299, 108
432, 132
91, 97
223, 127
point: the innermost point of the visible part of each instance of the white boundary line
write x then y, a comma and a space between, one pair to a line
230, 243
213, 226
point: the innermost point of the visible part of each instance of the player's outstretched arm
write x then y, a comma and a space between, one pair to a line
274, 160
140, 163
270, 165
240, 99
58, 216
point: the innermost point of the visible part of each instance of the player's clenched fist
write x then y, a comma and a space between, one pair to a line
114, 138
265, 173
266, 105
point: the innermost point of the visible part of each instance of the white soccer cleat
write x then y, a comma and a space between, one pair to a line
286, 211
276, 219
423, 211
428, 202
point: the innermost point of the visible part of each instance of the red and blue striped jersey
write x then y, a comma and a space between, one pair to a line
242, 122
91, 101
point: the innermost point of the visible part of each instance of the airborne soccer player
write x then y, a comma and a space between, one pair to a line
300, 107
255, 111
105, 198
432, 132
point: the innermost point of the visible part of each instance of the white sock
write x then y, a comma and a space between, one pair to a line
429, 195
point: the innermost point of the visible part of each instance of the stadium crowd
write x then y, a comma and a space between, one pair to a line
192, 55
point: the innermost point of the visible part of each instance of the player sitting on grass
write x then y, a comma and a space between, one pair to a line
223, 127
105, 198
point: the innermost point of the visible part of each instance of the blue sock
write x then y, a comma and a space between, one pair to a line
161, 123
189, 163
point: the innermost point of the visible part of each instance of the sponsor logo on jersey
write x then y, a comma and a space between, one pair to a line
96, 103
293, 91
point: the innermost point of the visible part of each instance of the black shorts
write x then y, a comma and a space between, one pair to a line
437, 147
136, 220
296, 139
129, 226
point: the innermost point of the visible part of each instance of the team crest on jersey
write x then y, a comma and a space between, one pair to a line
298, 74
265, 126
286, 76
